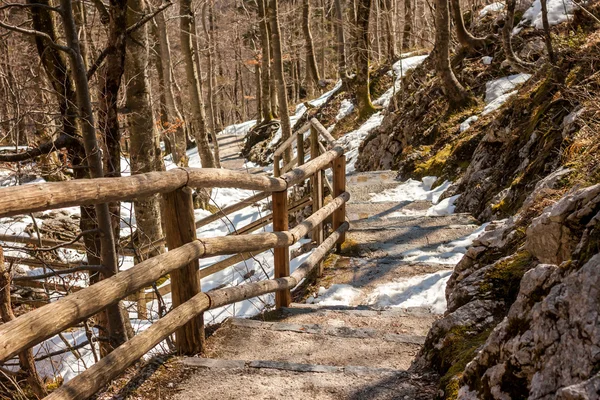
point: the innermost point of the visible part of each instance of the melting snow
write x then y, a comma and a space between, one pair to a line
352, 140
238, 129
417, 291
346, 108
491, 8
500, 90
400, 69
466, 124
558, 11
412, 190
336, 295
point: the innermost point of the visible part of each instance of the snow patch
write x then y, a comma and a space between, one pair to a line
417, 291
444, 207
238, 129
487, 60
413, 190
498, 91
491, 8
346, 108
466, 124
400, 68
336, 295
559, 11
352, 140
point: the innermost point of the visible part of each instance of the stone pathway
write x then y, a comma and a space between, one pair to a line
318, 351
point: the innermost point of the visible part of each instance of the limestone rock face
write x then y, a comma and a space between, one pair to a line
549, 342
552, 236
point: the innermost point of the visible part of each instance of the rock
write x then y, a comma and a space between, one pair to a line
553, 236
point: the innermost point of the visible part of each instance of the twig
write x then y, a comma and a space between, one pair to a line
58, 246
95, 268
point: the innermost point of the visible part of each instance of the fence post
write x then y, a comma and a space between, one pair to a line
180, 228
316, 188
339, 187
300, 148
276, 168
282, 254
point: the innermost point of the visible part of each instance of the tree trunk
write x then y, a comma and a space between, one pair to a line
187, 38
408, 26
266, 62
312, 72
341, 42
456, 94
286, 129
210, 42
363, 95
116, 326
172, 121
513, 59
547, 34
26, 361
144, 146
390, 26
464, 37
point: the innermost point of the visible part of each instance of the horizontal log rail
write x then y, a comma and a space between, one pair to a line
110, 367
185, 249
45, 322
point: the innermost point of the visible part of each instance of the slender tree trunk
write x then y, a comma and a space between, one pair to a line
407, 33
390, 26
116, 326
363, 95
26, 361
512, 58
172, 121
259, 92
267, 116
187, 33
547, 33
286, 128
208, 25
455, 93
341, 42
144, 146
312, 72
464, 36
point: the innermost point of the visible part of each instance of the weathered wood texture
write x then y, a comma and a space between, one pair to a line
283, 298
339, 187
323, 131
180, 229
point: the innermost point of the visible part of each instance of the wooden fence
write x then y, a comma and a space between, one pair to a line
181, 261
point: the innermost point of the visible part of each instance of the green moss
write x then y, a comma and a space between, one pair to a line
460, 347
504, 278
434, 165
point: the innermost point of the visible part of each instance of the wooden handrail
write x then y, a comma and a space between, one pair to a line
323, 132
42, 323
94, 378
16, 200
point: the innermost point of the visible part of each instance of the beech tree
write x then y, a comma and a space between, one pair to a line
363, 94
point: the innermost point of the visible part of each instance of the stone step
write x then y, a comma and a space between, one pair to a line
233, 342
339, 329
413, 321
265, 379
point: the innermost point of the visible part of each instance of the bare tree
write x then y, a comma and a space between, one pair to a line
465, 38
186, 36
363, 93
407, 33
455, 93
311, 60
507, 29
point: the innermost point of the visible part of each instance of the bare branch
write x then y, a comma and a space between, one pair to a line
95, 268
32, 32
62, 141
36, 5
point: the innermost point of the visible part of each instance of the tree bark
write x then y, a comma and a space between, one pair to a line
456, 94
407, 33
341, 42
363, 95
172, 121
547, 34
464, 36
390, 26
267, 116
286, 128
513, 59
210, 41
187, 35
144, 146
116, 327
312, 72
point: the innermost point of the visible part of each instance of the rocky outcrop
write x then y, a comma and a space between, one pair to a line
523, 307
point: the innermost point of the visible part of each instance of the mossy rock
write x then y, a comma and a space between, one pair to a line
503, 280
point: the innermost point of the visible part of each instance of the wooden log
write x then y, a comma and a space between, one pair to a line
35, 326
232, 208
94, 378
300, 147
310, 223
339, 187
288, 167
323, 132
276, 167
180, 229
111, 366
16, 200
301, 173
283, 298
316, 184
284, 146
266, 220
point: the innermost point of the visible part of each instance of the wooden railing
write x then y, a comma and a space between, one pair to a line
181, 261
